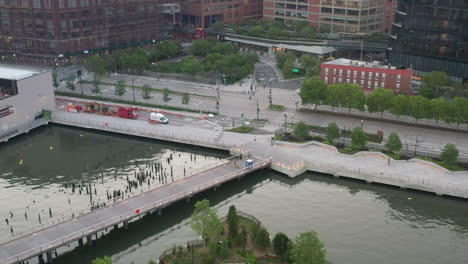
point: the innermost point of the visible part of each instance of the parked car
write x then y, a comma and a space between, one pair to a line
158, 118
127, 112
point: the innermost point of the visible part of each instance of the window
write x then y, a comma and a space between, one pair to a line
326, 79
398, 87
354, 81
369, 84
363, 75
339, 80
370, 75
347, 81
341, 73
383, 76
382, 84
334, 79
376, 76
326, 71
398, 78
376, 84
334, 71
348, 73
362, 82
355, 74
7, 88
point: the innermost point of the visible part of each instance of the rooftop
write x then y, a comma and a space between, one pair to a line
17, 73
348, 62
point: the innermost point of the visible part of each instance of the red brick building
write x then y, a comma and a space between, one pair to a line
369, 76
49, 28
204, 13
390, 8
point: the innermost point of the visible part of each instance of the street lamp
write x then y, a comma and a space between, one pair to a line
133, 88
285, 121
296, 103
79, 77
258, 110
416, 143
362, 124
269, 97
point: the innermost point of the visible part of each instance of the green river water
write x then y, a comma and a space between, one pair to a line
358, 222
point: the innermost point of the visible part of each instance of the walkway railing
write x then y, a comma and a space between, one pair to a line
131, 214
75, 120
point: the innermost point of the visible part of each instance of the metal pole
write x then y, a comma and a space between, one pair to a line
133, 87
217, 89
285, 121
81, 85
416, 144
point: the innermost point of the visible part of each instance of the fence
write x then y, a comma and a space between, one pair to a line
149, 207
24, 127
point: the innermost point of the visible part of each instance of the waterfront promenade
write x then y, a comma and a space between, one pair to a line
121, 212
293, 159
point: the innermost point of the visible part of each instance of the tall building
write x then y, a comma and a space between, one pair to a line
390, 8
51, 28
336, 16
204, 13
431, 35
369, 76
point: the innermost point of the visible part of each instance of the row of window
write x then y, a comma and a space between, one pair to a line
362, 83
355, 74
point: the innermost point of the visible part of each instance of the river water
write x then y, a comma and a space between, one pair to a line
358, 222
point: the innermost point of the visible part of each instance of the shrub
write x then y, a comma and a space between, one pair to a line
333, 132
394, 143
358, 138
449, 154
233, 221
301, 130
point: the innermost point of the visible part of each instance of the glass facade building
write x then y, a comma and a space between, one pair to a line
431, 35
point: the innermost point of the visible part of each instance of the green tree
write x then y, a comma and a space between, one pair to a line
96, 85
185, 98
104, 260
449, 154
241, 238
262, 238
281, 246
301, 130
308, 249
400, 105
205, 220
192, 66
224, 48
333, 132
419, 107
120, 88
376, 37
218, 25
351, 96
358, 139
309, 32
393, 144
311, 64
275, 33
287, 68
434, 85
70, 82
333, 98
314, 91
256, 31
169, 49
282, 57
166, 95
233, 221
459, 107
146, 92
96, 64
437, 108
200, 47
134, 61
380, 100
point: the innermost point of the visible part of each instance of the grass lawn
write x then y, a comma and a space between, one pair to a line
348, 151
442, 164
276, 107
241, 129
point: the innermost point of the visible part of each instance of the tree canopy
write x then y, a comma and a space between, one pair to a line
449, 154
393, 144
308, 249
281, 246
205, 220
380, 100
434, 85
313, 91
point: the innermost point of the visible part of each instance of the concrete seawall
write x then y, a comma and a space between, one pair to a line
293, 159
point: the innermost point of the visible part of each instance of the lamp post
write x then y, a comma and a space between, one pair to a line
285, 122
79, 77
258, 110
362, 124
269, 97
133, 88
296, 103
416, 143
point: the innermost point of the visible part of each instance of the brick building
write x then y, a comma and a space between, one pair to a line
390, 8
369, 76
204, 13
336, 16
48, 28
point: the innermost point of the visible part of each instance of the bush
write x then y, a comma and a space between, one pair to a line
449, 154
358, 139
233, 221
333, 132
301, 130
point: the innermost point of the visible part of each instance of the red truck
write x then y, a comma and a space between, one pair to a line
127, 112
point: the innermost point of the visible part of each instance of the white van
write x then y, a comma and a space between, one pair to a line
158, 118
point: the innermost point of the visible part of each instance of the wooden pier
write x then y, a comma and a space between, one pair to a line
43, 242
